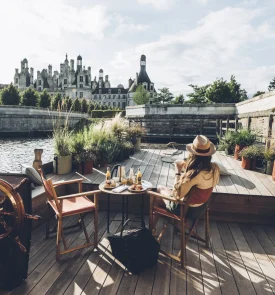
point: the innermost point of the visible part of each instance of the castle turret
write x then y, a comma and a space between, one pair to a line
79, 63
130, 82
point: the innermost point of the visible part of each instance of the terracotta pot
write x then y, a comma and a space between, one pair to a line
253, 164
246, 163
238, 148
273, 172
88, 167
79, 168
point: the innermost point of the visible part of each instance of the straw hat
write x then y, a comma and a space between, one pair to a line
201, 146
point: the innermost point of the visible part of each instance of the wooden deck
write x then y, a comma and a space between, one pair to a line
241, 260
243, 196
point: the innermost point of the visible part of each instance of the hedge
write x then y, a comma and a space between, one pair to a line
106, 113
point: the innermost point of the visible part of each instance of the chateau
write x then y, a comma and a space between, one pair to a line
77, 83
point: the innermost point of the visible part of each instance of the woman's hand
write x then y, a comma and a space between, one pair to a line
179, 165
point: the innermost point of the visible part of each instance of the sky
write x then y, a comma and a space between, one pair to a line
185, 42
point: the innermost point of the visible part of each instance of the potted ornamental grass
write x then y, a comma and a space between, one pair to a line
243, 138
63, 157
249, 156
269, 157
85, 161
134, 134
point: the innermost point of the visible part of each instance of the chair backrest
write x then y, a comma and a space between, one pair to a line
50, 191
199, 196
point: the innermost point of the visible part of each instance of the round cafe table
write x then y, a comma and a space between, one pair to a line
124, 197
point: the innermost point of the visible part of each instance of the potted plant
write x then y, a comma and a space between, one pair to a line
243, 138
134, 135
63, 156
227, 142
249, 155
128, 146
269, 157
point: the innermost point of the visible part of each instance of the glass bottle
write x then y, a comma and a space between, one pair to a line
131, 176
108, 174
139, 175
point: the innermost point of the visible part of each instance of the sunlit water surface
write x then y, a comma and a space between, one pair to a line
14, 152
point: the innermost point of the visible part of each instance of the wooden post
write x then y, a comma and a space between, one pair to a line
201, 126
227, 124
220, 127
37, 163
270, 122
248, 122
236, 124
217, 126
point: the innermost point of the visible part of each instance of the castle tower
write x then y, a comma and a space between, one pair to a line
79, 63
72, 64
143, 62
100, 79
50, 70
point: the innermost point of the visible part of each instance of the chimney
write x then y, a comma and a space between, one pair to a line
136, 81
130, 82
72, 64
106, 78
16, 71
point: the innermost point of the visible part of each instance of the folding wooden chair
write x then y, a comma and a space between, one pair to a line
75, 204
185, 231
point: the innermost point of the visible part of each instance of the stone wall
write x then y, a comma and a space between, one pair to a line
31, 120
179, 122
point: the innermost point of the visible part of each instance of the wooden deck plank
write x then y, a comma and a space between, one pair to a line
75, 264
210, 278
257, 278
241, 276
57, 268
240, 187
227, 280
87, 269
256, 181
250, 186
256, 248
151, 165
156, 171
266, 182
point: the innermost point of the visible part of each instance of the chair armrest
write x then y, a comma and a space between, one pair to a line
83, 194
59, 183
151, 193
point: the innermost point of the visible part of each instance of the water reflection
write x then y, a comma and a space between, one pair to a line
14, 152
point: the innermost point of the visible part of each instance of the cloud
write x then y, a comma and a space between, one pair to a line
203, 2
158, 4
125, 25
207, 51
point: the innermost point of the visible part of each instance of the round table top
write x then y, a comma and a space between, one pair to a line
126, 192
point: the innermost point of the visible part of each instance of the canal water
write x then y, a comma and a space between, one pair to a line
18, 151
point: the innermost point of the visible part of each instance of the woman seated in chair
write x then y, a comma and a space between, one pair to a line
197, 176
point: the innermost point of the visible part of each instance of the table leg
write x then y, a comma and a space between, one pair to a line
122, 209
127, 199
108, 212
142, 207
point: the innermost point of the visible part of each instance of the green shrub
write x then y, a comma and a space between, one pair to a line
252, 152
45, 99
245, 137
29, 98
10, 96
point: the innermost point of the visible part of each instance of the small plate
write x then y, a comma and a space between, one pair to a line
110, 187
137, 191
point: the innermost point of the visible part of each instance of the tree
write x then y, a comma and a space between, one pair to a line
258, 93
56, 101
179, 99
198, 95
76, 105
84, 106
141, 96
91, 107
271, 86
219, 91
164, 96
45, 99
30, 98
237, 94
10, 96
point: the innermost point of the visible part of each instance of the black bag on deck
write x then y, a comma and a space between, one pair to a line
135, 248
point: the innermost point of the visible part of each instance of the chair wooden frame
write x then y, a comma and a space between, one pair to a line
184, 237
58, 209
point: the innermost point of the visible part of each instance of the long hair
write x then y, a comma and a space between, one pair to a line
195, 164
